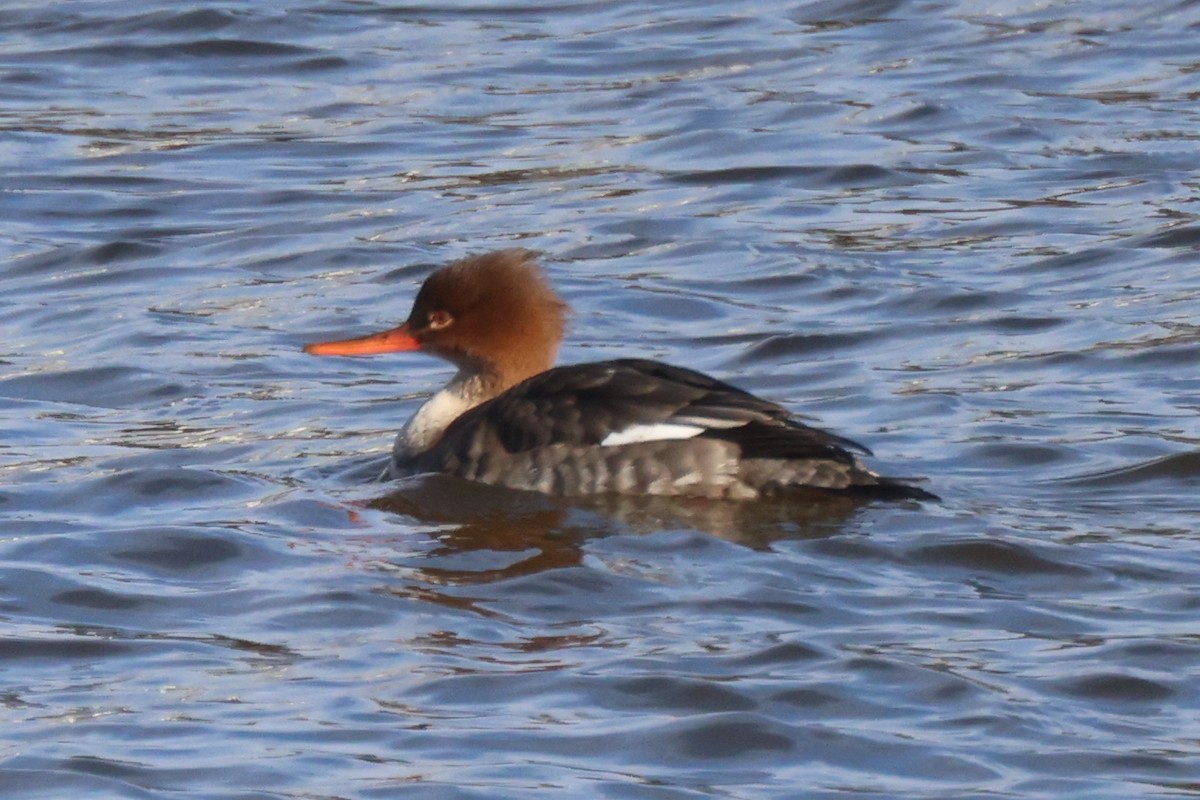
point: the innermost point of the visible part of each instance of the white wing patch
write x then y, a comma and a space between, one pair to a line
651, 433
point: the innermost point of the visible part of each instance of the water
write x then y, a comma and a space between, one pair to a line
964, 233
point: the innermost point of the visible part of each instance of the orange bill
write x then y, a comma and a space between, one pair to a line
391, 341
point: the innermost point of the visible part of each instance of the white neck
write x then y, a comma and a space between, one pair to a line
426, 427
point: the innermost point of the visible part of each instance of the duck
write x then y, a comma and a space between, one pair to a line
627, 426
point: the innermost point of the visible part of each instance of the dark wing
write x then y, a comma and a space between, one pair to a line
581, 405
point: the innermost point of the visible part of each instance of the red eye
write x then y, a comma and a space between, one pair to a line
439, 319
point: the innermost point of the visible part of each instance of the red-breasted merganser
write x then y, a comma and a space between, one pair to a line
629, 426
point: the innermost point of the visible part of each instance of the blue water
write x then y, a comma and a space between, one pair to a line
963, 233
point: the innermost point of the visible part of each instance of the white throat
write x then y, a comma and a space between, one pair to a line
426, 426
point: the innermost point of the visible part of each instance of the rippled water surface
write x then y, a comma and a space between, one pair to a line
964, 233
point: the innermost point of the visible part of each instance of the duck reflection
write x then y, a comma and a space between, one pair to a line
473, 518
476, 523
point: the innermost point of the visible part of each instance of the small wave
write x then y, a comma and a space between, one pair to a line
1178, 468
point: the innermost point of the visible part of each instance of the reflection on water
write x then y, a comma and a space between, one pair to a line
529, 531
549, 532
